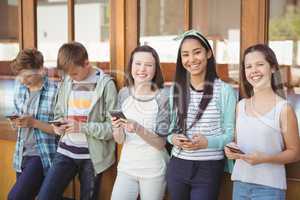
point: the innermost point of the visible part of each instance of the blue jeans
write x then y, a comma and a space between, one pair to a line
249, 191
63, 171
194, 180
29, 180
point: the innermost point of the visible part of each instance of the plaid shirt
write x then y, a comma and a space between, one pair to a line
46, 143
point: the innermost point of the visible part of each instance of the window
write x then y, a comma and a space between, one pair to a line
222, 28
6, 93
284, 38
159, 28
92, 27
52, 28
9, 29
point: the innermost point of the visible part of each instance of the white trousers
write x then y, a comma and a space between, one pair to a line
128, 187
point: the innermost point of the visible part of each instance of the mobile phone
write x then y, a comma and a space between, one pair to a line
235, 149
117, 113
57, 123
185, 139
12, 117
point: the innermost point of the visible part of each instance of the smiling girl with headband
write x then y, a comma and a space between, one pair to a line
202, 113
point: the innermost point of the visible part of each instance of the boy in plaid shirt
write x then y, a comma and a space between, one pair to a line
36, 142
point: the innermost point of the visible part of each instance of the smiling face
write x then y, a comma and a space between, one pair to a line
258, 70
143, 67
194, 57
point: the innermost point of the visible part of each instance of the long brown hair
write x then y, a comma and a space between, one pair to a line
182, 84
276, 82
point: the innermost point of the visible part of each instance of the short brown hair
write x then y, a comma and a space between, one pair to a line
72, 53
27, 59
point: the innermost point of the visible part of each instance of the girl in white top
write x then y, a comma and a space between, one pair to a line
143, 161
266, 130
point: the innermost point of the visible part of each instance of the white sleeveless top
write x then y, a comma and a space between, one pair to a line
263, 134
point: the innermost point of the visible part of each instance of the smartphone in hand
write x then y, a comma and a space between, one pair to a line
234, 149
57, 123
117, 114
12, 117
185, 139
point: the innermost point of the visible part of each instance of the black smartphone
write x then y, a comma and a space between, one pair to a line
185, 140
12, 117
235, 149
117, 113
57, 123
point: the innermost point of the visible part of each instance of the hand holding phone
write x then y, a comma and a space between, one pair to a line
184, 139
234, 149
12, 117
117, 114
57, 123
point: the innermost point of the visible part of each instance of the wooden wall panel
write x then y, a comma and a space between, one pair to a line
29, 32
187, 14
131, 27
12, 21
5, 69
3, 19
254, 22
71, 21
293, 192
168, 70
20, 24
8, 21
293, 171
117, 40
123, 35
226, 188
7, 175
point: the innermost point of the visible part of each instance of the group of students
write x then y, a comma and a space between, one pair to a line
198, 115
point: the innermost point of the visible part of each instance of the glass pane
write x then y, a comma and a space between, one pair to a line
52, 28
9, 29
284, 39
92, 29
6, 100
284, 34
222, 28
160, 22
